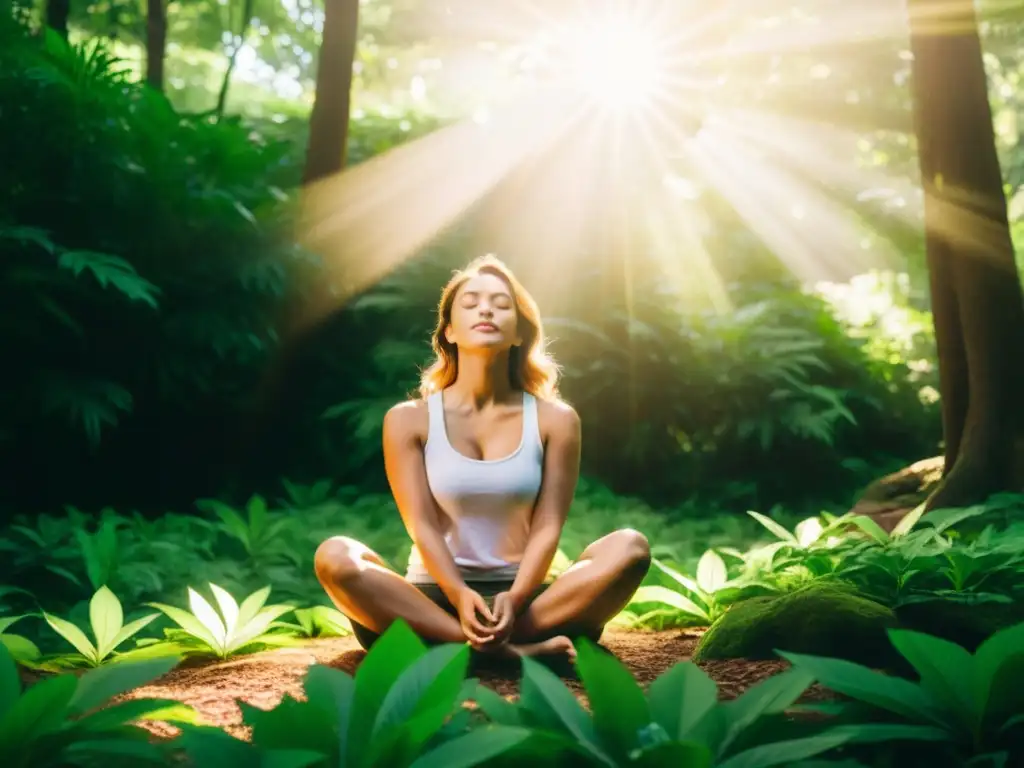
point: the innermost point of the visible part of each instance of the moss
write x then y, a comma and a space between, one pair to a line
966, 624
825, 619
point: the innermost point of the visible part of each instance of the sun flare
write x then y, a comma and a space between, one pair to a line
615, 60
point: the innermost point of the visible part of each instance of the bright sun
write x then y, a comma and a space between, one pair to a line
615, 60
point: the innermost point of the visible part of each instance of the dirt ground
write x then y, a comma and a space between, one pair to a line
262, 679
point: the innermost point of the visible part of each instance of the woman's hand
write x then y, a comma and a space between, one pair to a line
470, 605
504, 611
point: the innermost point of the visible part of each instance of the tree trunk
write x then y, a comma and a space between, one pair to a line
328, 123
57, 12
977, 303
156, 42
237, 43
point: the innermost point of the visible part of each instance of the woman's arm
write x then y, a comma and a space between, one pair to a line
403, 463
561, 473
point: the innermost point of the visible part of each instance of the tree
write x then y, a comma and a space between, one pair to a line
328, 123
156, 42
976, 294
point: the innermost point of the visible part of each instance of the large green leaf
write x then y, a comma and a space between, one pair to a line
73, 635
551, 705
945, 670
681, 697
41, 710
786, 752
106, 618
496, 707
860, 683
98, 686
392, 653
474, 748
10, 682
292, 725
618, 705
332, 691
999, 665
769, 697
425, 692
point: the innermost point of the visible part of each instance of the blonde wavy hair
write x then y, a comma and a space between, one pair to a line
530, 368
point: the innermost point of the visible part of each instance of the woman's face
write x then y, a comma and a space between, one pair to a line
484, 315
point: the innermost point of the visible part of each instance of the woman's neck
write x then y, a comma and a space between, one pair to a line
483, 379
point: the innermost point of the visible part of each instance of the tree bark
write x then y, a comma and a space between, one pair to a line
328, 123
57, 12
237, 43
977, 302
156, 42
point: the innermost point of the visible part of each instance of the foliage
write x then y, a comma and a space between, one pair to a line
59, 721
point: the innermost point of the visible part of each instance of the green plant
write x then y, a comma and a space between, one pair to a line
394, 714
679, 722
62, 720
106, 618
233, 630
974, 702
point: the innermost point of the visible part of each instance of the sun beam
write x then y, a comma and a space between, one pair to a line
613, 59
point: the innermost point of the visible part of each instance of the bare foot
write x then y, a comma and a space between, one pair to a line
555, 646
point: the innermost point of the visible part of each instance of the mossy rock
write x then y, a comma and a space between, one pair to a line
823, 619
967, 624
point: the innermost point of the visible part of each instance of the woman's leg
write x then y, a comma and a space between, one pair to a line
591, 592
368, 592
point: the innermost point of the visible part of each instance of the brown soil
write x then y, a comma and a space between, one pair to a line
263, 679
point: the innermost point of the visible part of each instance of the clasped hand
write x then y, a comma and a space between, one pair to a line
482, 625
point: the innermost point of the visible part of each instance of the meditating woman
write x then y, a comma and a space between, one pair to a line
483, 467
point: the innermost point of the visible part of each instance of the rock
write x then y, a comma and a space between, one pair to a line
822, 618
889, 499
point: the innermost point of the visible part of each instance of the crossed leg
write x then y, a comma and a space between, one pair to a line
579, 602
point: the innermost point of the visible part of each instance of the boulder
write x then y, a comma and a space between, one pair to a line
821, 618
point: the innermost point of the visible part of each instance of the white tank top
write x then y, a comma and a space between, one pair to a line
485, 506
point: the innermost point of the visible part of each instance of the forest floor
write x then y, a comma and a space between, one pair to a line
263, 679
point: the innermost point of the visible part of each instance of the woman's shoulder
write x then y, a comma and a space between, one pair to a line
557, 415
408, 417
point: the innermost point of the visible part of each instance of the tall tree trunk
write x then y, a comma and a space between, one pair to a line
976, 293
156, 42
328, 123
57, 12
237, 43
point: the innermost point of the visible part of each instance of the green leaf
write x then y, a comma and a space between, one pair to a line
711, 572
189, 623
551, 705
677, 600
774, 527
111, 271
131, 629
123, 713
97, 686
40, 710
390, 656
691, 754
22, 649
999, 664
291, 725
228, 609
946, 671
496, 707
769, 697
860, 683
210, 619
475, 748
427, 689
681, 697
332, 691
618, 705
73, 635
252, 605
106, 618
7, 622
10, 682
786, 752
870, 527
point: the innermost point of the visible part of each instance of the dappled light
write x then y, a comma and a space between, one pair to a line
715, 459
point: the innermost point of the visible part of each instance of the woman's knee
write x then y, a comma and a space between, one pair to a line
633, 548
339, 559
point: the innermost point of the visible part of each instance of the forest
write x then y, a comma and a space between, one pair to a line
777, 245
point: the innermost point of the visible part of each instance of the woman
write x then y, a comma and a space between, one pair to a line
483, 468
